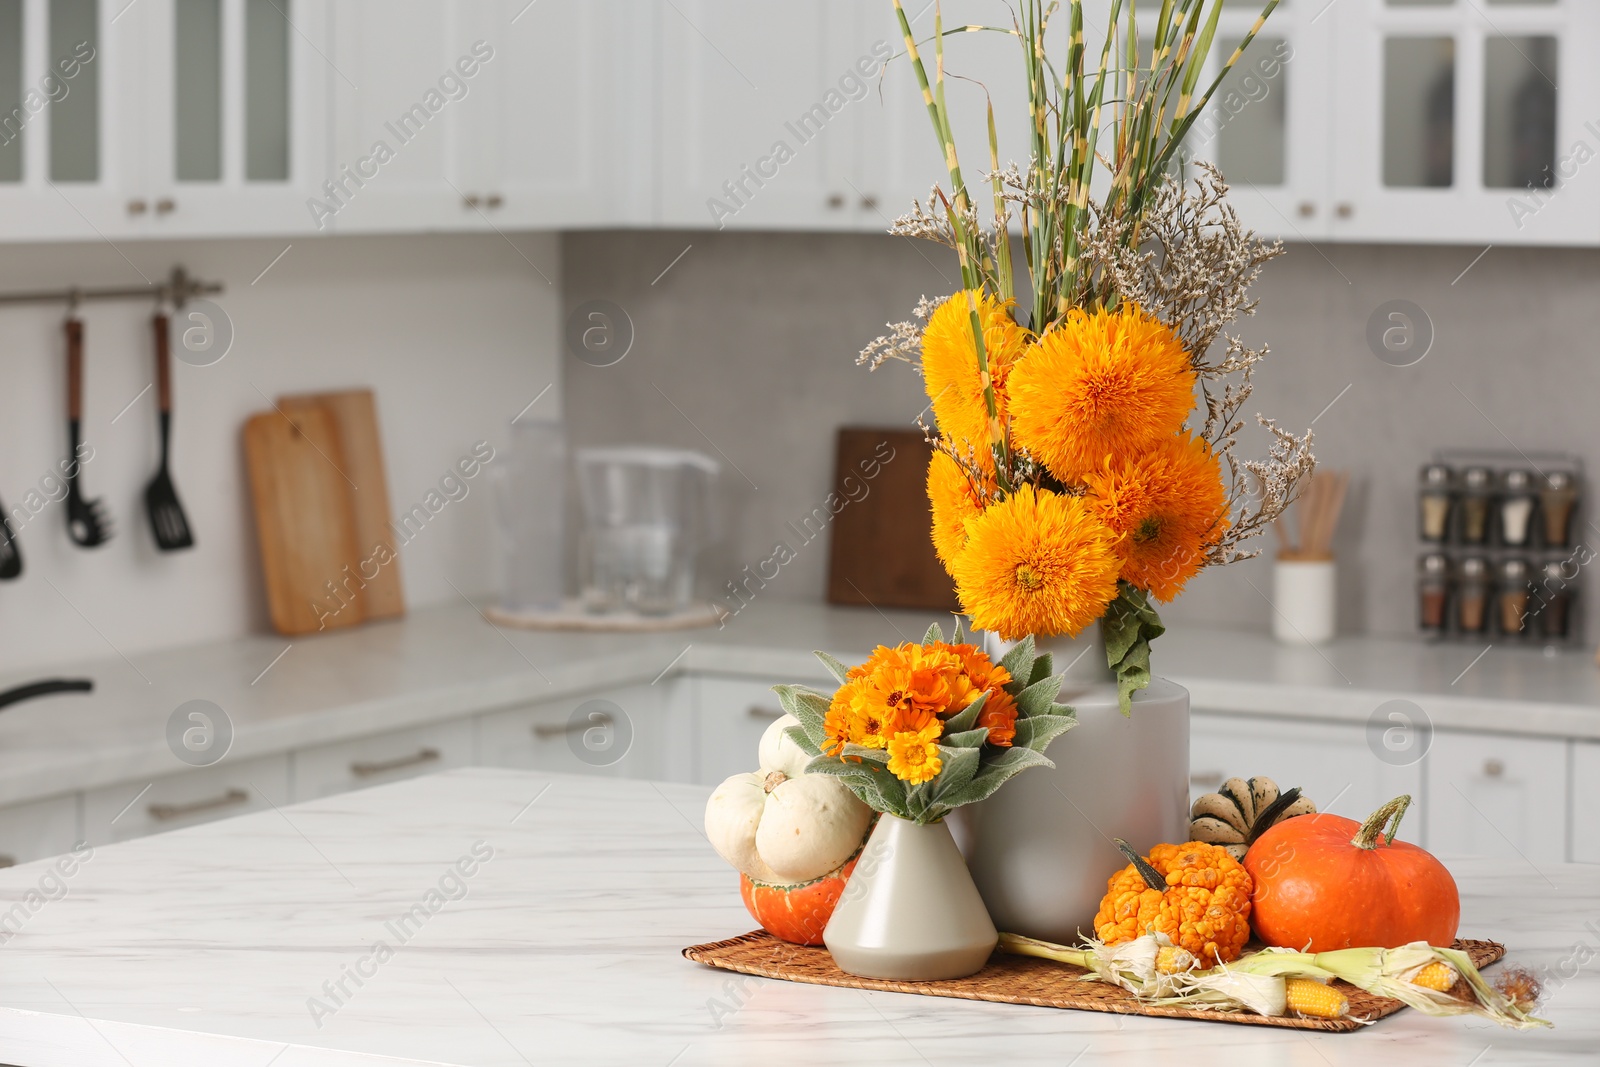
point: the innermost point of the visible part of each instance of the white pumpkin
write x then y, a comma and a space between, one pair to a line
780, 825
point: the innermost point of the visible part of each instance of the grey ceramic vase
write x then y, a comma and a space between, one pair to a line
1040, 849
910, 912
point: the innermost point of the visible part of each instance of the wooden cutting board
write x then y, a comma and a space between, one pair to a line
355, 418
882, 549
304, 519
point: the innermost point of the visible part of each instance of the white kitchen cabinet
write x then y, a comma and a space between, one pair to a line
1330, 762
134, 809
1456, 109
235, 115
38, 829
748, 138
731, 714
330, 769
560, 132
1585, 812
1493, 795
621, 733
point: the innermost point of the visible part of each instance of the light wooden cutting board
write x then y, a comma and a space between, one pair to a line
304, 519
355, 418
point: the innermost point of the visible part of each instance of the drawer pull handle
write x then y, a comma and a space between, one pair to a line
8, 861
168, 812
366, 769
1493, 768
1212, 778
545, 731
756, 711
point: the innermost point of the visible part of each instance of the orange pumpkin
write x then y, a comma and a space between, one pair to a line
1324, 882
800, 912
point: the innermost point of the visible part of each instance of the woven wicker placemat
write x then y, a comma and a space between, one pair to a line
1009, 979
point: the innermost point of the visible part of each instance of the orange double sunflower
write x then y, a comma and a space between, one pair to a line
951, 375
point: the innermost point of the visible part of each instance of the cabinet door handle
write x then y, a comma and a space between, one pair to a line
8, 861
545, 731
494, 200
836, 201
756, 711
366, 769
1345, 210
137, 207
1307, 209
470, 201
165, 206
1493, 768
168, 812
1211, 778
869, 203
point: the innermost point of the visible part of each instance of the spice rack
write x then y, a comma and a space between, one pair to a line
1502, 547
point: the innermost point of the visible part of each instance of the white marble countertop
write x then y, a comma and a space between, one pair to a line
446, 662
204, 948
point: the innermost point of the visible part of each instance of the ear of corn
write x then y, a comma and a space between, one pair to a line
1318, 1000
1438, 976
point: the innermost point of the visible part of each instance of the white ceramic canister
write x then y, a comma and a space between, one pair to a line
1305, 593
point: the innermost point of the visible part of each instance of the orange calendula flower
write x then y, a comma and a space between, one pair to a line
999, 714
1098, 386
950, 368
1037, 563
914, 754
1166, 505
954, 504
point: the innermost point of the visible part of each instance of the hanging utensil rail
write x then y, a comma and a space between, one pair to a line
178, 288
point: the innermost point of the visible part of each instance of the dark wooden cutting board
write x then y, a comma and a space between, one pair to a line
881, 552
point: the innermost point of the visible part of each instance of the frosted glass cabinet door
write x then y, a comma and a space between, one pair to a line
1466, 122
237, 115
1267, 128
71, 92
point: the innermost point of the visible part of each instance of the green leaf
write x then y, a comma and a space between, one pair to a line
1043, 667
965, 718
794, 700
956, 638
1037, 731
993, 776
966, 738
840, 672
798, 735
935, 633
1019, 661
874, 755
1037, 698
958, 767
1129, 625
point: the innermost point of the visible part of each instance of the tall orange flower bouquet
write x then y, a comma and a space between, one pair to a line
1088, 416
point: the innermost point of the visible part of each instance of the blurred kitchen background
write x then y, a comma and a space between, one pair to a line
611, 151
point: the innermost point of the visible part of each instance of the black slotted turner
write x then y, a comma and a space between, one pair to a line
10, 551
167, 521
87, 522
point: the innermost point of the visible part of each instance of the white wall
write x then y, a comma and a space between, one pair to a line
455, 333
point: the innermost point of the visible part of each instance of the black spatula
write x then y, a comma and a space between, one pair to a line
87, 522
10, 552
167, 520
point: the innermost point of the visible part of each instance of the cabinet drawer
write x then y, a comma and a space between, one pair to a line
339, 768
731, 714
120, 812
619, 733
38, 829
1492, 795
1330, 762
1586, 802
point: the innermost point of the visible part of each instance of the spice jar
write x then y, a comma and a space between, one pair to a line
1516, 508
1433, 591
1557, 500
1555, 595
1472, 595
1513, 596
1477, 485
1434, 499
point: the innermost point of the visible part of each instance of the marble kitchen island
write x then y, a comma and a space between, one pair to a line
501, 917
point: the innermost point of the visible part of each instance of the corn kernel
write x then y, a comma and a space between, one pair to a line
1438, 975
1307, 996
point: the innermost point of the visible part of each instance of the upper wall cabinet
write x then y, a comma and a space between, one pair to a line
488, 114
166, 118
1473, 120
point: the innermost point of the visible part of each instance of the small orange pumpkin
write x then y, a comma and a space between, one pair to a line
796, 913
1324, 882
